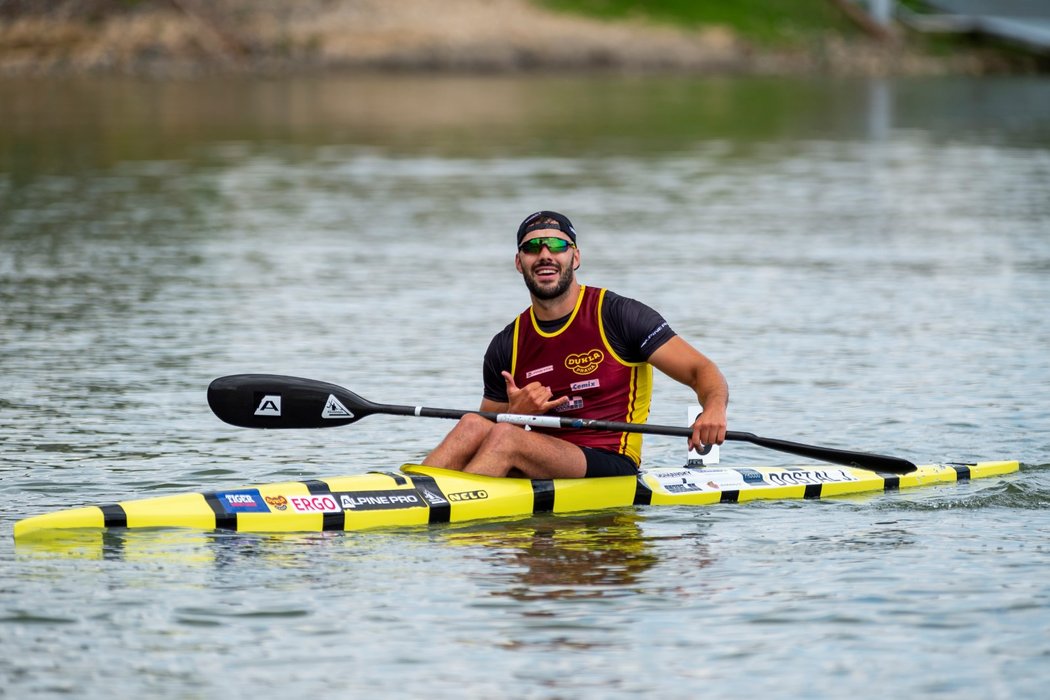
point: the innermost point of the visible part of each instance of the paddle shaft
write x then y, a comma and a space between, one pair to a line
277, 401
825, 454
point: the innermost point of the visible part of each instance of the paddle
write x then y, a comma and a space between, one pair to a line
276, 401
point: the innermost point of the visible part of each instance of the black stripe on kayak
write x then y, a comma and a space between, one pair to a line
891, 483
113, 515
223, 520
430, 492
329, 521
399, 479
542, 496
729, 496
812, 491
962, 472
643, 495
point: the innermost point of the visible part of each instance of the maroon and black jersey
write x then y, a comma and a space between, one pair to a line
597, 356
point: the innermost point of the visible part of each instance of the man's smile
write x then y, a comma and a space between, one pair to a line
546, 270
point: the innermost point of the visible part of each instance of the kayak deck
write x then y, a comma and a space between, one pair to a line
421, 495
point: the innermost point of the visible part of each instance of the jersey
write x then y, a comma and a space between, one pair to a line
597, 356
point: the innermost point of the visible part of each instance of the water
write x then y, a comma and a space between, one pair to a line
869, 263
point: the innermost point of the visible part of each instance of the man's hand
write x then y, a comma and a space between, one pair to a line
534, 398
709, 428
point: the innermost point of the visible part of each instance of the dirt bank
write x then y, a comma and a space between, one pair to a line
185, 38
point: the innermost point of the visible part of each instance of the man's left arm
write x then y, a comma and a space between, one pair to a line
682, 362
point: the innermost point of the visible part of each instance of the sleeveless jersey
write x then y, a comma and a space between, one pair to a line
577, 361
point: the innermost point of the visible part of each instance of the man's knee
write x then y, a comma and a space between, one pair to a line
473, 424
504, 435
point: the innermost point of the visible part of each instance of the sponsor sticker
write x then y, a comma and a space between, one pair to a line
433, 497
269, 405
242, 501
468, 496
806, 477
751, 476
585, 385
333, 408
692, 480
379, 500
574, 403
277, 502
542, 370
319, 503
688, 487
586, 362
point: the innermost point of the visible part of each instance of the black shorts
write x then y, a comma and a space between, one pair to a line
602, 463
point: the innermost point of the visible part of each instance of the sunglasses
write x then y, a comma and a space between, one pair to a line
554, 245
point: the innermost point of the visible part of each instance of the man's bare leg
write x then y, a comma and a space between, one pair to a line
461, 443
536, 455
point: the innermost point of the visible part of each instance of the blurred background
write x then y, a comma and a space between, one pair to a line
191, 37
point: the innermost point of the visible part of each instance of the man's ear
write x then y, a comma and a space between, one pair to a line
517, 262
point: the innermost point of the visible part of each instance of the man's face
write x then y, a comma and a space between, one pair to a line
547, 274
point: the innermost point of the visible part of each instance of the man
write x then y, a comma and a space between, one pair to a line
577, 351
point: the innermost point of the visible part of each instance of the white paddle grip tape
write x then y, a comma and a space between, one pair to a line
419, 410
521, 419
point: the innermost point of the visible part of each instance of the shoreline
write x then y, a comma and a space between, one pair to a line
185, 39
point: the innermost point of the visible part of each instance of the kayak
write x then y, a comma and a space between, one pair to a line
419, 495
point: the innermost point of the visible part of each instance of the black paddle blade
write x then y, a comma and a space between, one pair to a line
276, 401
849, 458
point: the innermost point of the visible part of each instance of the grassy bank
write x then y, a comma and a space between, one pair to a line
764, 22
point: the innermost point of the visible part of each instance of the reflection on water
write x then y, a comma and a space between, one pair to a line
585, 556
564, 556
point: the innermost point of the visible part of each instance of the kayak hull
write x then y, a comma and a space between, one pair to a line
419, 495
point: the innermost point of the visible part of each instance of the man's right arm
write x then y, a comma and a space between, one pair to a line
501, 394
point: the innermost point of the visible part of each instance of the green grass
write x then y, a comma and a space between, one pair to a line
769, 22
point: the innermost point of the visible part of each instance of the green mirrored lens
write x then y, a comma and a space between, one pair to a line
554, 245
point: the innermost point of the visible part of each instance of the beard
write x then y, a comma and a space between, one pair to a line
548, 293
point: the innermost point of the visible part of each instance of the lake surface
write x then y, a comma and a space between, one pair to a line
868, 262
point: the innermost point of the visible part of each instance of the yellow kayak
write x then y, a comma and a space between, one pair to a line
420, 495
